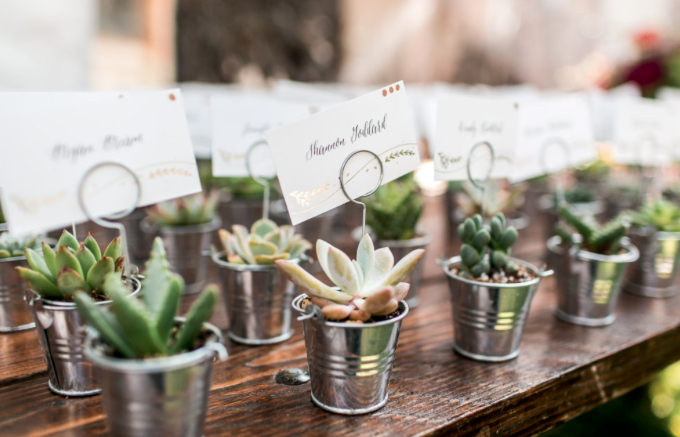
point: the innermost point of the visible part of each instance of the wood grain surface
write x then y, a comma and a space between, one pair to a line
562, 371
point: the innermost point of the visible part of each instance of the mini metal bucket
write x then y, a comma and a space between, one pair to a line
186, 248
15, 313
489, 318
401, 248
61, 332
139, 243
588, 284
349, 364
257, 298
164, 397
657, 272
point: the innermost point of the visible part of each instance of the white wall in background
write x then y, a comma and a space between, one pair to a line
45, 44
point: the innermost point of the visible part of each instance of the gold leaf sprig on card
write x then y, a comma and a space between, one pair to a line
448, 160
304, 198
227, 157
171, 171
398, 153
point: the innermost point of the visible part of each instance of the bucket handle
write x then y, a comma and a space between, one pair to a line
312, 311
219, 350
543, 273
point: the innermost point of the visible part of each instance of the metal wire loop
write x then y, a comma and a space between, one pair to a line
344, 190
481, 183
262, 181
108, 224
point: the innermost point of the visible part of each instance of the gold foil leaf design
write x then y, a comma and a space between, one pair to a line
165, 172
304, 198
448, 160
227, 157
398, 153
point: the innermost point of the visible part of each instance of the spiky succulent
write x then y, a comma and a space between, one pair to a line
605, 239
366, 287
662, 214
74, 267
146, 328
486, 249
12, 247
394, 209
191, 210
265, 243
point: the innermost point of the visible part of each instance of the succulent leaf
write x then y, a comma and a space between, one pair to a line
65, 258
85, 258
37, 263
366, 257
69, 281
198, 313
93, 247
104, 322
342, 271
50, 259
99, 271
67, 240
40, 284
298, 276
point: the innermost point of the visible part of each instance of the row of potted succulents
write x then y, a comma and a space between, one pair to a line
351, 329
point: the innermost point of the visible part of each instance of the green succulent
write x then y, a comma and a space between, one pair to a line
74, 267
393, 211
578, 194
663, 214
602, 239
486, 249
145, 328
2, 215
265, 243
191, 210
497, 198
237, 187
12, 247
595, 171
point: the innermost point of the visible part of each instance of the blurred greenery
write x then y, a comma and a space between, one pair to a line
237, 187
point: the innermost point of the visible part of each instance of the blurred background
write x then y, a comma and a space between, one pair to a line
548, 44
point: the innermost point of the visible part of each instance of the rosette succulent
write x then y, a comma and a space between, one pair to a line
395, 208
146, 328
264, 244
366, 287
662, 214
191, 210
12, 247
73, 267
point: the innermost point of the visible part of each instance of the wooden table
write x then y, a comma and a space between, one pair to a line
563, 370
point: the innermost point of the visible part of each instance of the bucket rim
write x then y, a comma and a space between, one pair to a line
148, 227
217, 258
155, 365
402, 304
632, 253
457, 259
56, 305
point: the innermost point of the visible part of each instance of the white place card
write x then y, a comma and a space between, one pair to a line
554, 133
239, 121
462, 123
309, 153
643, 132
45, 154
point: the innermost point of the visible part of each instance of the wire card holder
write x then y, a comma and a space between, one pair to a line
373, 190
101, 221
480, 184
262, 181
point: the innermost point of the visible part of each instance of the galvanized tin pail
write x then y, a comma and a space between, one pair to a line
489, 318
15, 313
164, 397
257, 298
61, 332
187, 249
657, 272
589, 284
349, 364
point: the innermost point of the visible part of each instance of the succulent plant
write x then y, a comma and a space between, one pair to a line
145, 328
577, 194
366, 287
266, 243
594, 171
12, 247
486, 249
191, 210
394, 209
605, 239
74, 267
2, 215
662, 214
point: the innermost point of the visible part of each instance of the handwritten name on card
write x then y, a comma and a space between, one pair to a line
238, 121
462, 123
643, 132
309, 153
554, 133
147, 132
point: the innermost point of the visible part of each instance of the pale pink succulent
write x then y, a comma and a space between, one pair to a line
368, 286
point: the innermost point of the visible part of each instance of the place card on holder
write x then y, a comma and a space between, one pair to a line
308, 154
464, 122
643, 132
47, 152
238, 121
554, 133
